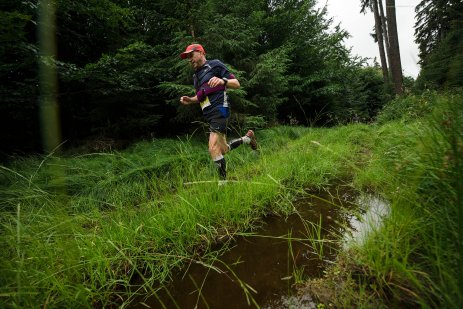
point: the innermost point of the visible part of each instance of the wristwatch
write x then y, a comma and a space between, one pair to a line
225, 80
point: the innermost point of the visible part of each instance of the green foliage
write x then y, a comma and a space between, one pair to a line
12, 32
417, 166
286, 58
434, 21
408, 108
87, 29
127, 70
365, 96
444, 64
319, 61
438, 33
18, 87
257, 122
120, 75
268, 82
121, 91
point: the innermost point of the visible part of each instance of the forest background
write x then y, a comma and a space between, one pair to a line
118, 74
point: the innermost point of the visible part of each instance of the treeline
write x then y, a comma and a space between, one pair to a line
119, 75
439, 35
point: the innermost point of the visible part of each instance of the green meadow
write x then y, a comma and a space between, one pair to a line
96, 229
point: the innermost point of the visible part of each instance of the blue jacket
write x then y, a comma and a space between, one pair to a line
214, 101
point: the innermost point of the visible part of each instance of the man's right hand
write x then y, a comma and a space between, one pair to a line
185, 100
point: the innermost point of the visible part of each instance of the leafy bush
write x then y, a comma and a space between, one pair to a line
408, 108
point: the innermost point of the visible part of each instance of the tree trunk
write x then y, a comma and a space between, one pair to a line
395, 64
380, 40
385, 34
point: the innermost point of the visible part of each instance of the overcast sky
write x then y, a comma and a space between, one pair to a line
359, 26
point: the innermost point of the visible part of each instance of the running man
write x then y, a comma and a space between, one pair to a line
211, 80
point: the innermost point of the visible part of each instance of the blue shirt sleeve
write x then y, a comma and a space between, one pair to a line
220, 70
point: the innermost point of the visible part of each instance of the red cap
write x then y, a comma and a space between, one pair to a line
192, 48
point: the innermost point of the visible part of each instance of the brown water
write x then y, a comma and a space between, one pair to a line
265, 261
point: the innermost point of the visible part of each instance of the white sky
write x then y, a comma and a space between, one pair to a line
359, 26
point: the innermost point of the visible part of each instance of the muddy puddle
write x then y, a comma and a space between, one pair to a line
261, 270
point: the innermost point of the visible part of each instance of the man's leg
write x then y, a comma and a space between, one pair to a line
217, 148
249, 138
218, 143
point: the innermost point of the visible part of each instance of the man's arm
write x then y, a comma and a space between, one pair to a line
185, 100
232, 83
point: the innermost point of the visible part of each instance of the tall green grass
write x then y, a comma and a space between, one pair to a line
85, 230
415, 258
98, 229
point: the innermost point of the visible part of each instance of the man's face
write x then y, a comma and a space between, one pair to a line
196, 59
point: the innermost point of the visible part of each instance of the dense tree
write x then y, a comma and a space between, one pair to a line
282, 52
119, 74
369, 93
434, 20
440, 41
319, 61
119, 91
18, 76
88, 28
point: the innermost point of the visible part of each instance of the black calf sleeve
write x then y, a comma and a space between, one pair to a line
235, 143
221, 168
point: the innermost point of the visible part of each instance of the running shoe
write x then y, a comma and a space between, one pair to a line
253, 142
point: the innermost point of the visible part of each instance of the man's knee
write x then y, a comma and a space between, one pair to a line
212, 149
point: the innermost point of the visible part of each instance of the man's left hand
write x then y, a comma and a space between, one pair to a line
215, 81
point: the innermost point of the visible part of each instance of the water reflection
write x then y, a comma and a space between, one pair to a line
260, 270
375, 209
290, 301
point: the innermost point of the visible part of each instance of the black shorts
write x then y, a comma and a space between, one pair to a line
218, 125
